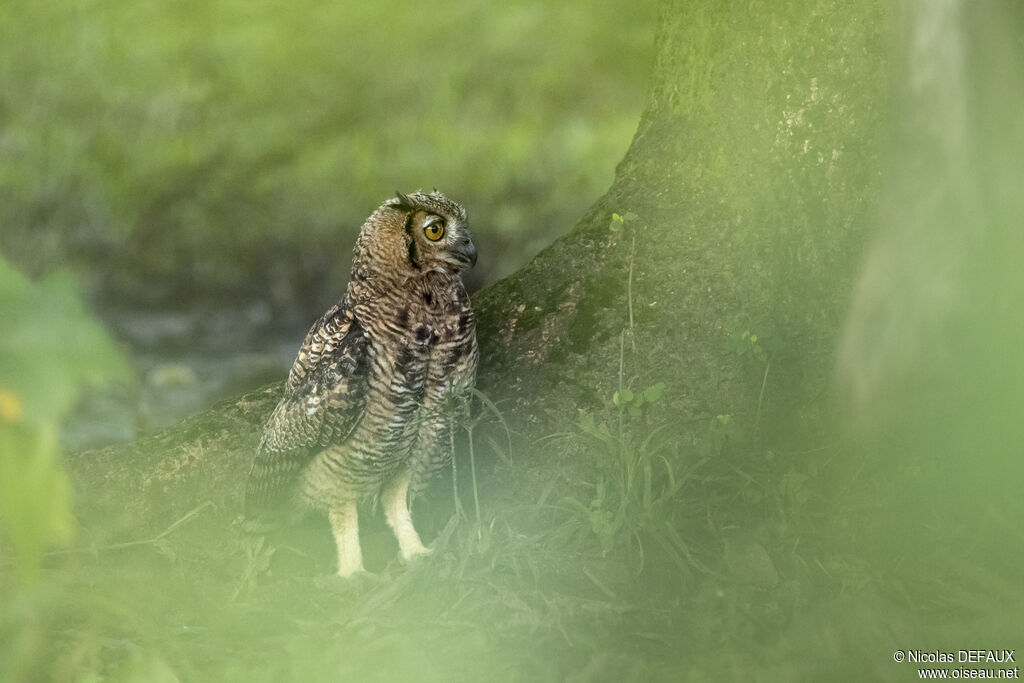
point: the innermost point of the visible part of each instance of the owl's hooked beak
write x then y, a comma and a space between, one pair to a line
466, 251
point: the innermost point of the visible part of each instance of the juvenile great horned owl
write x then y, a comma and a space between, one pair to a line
364, 409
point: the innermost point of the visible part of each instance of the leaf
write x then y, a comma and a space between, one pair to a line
10, 406
653, 393
586, 424
35, 493
576, 504
625, 396
51, 348
40, 364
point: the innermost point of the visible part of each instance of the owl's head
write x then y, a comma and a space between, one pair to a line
418, 232
435, 231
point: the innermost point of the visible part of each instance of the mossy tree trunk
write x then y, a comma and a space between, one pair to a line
753, 175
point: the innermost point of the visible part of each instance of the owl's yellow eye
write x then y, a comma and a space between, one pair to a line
434, 231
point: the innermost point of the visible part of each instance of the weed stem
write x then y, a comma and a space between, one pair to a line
629, 292
760, 396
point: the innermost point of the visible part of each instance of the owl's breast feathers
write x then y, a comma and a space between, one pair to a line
363, 372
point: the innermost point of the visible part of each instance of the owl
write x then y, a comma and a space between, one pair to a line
367, 407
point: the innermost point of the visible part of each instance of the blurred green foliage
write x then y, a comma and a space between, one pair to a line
193, 140
50, 350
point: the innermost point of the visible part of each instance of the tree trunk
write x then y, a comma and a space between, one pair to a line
753, 175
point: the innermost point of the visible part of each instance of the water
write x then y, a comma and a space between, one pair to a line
185, 360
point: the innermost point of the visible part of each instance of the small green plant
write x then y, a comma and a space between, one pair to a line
616, 225
462, 414
633, 499
634, 402
637, 479
723, 430
42, 375
618, 222
758, 343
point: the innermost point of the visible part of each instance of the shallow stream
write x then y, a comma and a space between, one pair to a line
184, 361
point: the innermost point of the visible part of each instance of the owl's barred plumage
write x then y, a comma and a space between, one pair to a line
366, 405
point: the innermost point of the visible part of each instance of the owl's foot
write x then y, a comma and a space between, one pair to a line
345, 525
349, 570
396, 509
413, 549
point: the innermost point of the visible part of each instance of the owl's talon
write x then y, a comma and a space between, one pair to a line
412, 555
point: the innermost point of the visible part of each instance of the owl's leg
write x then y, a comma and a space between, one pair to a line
344, 519
396, 509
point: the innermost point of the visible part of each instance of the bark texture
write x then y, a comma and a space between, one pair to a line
753, 173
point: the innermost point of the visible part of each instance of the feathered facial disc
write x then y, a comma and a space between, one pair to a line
435, 232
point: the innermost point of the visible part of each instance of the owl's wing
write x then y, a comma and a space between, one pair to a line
322, 402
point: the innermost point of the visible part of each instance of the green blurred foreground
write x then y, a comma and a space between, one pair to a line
50, 350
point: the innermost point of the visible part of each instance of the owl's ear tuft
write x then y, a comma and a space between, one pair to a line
402, 202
